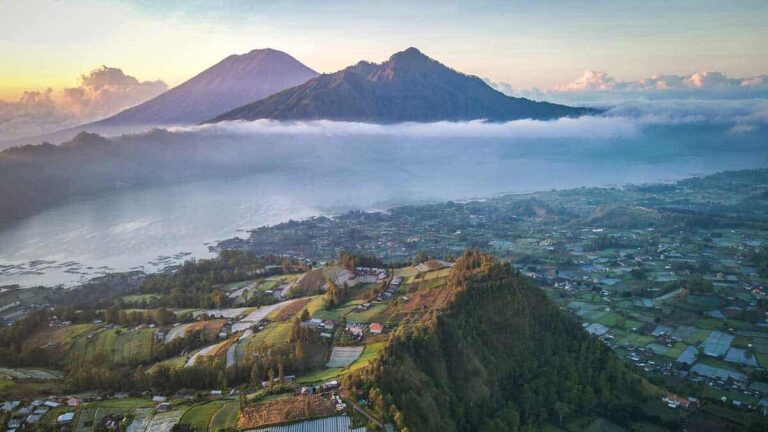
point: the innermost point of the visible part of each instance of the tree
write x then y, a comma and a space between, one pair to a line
255, 373
334, 295
561, 411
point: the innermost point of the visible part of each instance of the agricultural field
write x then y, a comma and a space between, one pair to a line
368, 316
336, 423
210, 327
226, 416
289, 310
141, 419
284, 410
164, 421
120, 346
200, 415
370, 351
344, 356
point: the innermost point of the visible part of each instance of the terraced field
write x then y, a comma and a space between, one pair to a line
163, 422
211, 327
121, 346
200, 415
62, 336
226, 416
142, 417
275, 334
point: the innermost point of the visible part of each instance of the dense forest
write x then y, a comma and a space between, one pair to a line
501, 357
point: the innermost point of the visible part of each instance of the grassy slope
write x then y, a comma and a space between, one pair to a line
199, 416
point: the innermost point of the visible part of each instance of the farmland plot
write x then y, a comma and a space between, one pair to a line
344, 356
141, 420
226, 417
285, 410
86, 418
163, 422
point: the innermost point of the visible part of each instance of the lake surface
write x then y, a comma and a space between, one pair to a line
150, 228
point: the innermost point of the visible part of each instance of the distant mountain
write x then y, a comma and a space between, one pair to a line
234, 81
408, 87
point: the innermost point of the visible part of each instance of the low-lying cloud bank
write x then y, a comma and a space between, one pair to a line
597, 87
626, 120
101, 93
584, 127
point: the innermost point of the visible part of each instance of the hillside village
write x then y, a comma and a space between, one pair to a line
345, 337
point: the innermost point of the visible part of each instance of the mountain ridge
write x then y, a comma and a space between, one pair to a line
409, 86
495, 354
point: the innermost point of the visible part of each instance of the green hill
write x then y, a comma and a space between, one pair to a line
500, 357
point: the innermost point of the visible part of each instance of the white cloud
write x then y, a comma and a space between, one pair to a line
589, 81
623, 121
102, 92
598, 127
597, 87
746, 114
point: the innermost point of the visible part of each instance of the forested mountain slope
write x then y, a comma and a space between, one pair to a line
500, 357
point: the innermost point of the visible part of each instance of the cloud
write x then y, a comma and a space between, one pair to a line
597, 87
101, 93
597, 127
628, 120
105, 91
589, 81
746, 115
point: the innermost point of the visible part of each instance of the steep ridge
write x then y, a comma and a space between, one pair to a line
499, 356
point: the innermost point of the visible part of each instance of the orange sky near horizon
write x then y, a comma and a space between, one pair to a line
50, 43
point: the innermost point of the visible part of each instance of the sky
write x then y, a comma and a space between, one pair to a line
51, 43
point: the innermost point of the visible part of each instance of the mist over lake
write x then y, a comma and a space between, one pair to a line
292, 171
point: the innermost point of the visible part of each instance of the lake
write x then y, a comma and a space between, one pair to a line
150, 228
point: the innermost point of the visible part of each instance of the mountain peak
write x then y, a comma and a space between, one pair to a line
410, 86
410, 52
410, 56
230, 83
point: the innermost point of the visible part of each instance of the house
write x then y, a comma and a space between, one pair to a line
674, 401
10, 406
159, 399
65, 418
163, 407
356, 329
73, 402
51, 404
34, 418
330, 385
112, 421
376, 328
